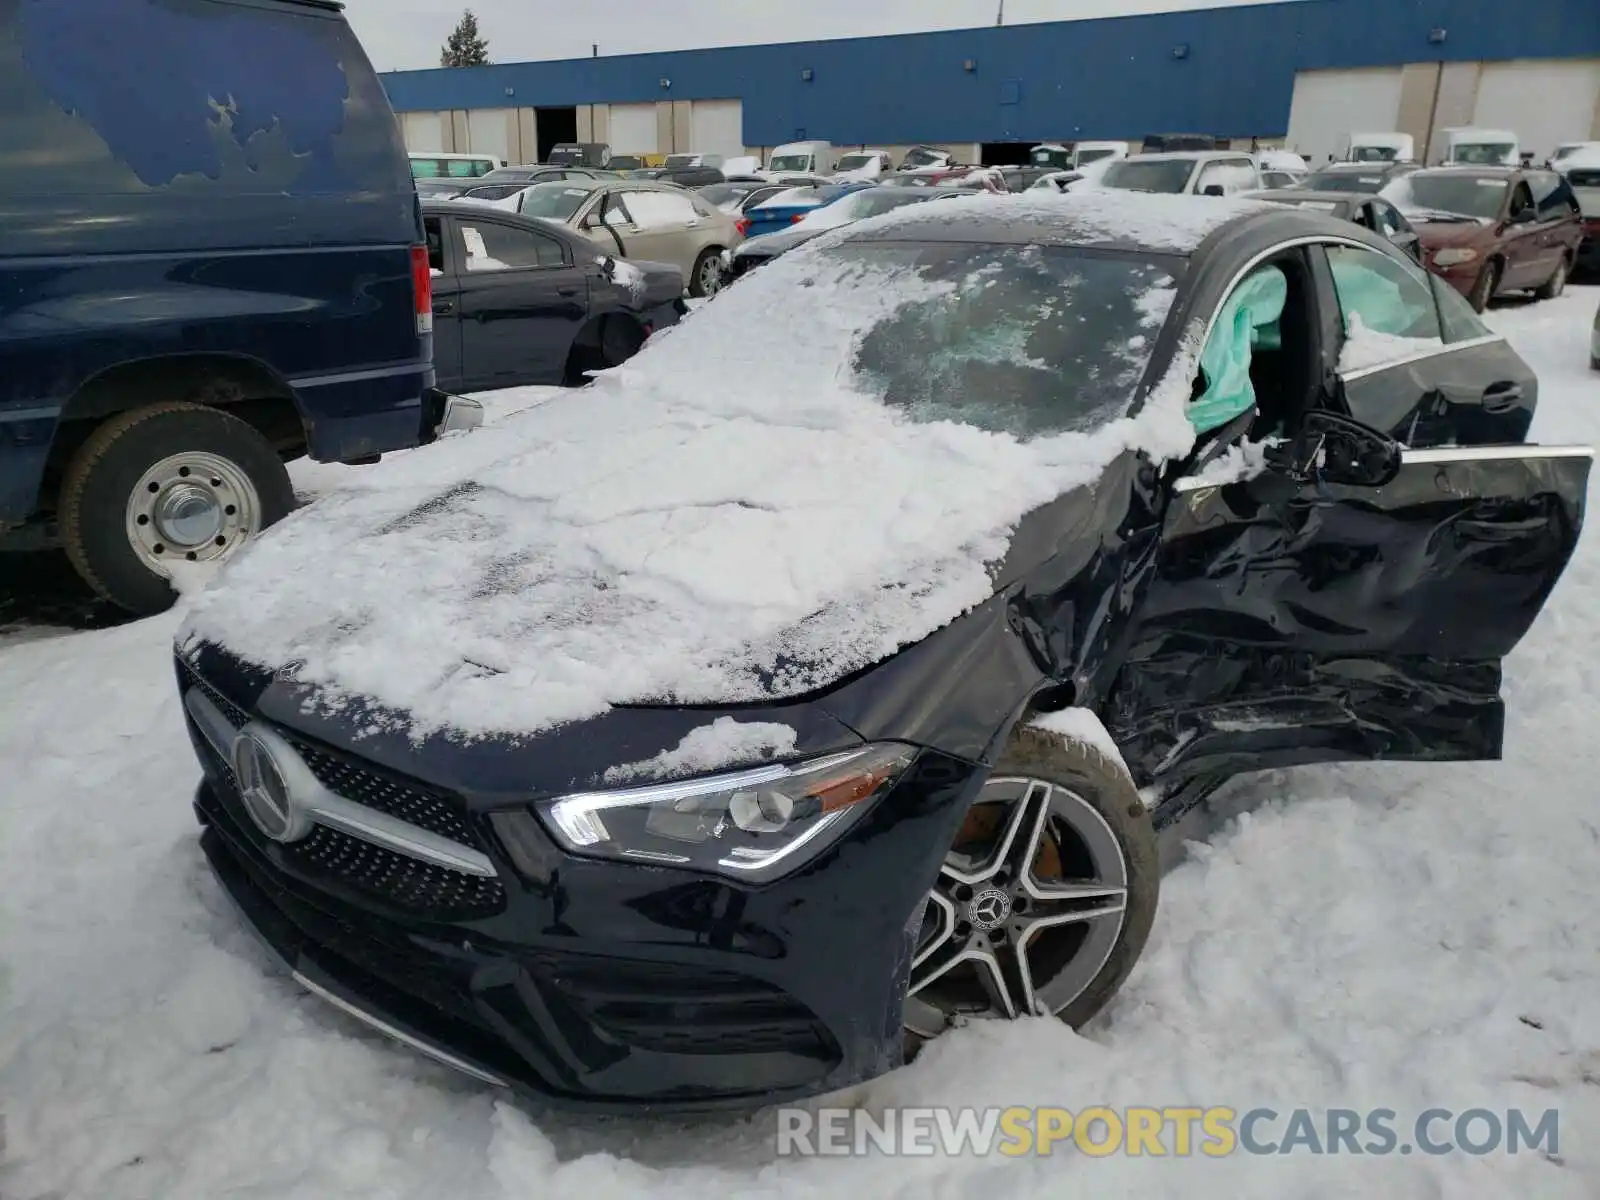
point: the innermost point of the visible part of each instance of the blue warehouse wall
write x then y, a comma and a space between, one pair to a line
1116, 77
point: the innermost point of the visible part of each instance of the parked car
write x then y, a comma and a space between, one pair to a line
1479, 147
430, 165
734, 197
1582, 172
731, 728
1370, 212
1275, 180
684, 160
1189, 172
926, 158
508, 181
974, 179
579, 154
1020, 179
624, 162
804, 158
443, 189
787, 207
1169, 143
640, 220
176, 323
1368, 177
862, 165
691, 177
857, 206
1387, 147
1491, 230
522, 301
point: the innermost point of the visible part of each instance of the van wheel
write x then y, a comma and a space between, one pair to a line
172, 483
1046, 899
1487, 285
706, 278
1557, 283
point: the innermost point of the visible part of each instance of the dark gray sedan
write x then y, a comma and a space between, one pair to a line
1369, 212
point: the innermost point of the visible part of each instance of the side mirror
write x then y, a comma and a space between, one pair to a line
1213, 189
1333, 448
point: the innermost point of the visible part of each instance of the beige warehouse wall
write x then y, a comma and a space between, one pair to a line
1458, 101
1419, 83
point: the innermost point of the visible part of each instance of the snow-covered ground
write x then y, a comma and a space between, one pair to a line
1375, 936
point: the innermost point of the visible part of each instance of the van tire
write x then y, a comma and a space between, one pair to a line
1557, 283
95, 513
1488, 283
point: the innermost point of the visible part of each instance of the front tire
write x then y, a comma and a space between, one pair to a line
1557, 283
706, 277
1487, 285
1046, 899
169, 483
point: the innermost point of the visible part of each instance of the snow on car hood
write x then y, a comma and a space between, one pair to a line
665, 534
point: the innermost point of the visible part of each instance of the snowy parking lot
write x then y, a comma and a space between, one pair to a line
1403, 937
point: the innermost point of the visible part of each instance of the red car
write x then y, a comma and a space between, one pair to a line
1490, 230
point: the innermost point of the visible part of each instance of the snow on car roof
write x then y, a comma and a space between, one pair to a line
1160, 223
664, 535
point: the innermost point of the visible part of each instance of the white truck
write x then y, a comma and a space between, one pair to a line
801, 158
1474, 147
1381, 147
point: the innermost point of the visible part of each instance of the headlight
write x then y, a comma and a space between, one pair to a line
753, 825
1454, 258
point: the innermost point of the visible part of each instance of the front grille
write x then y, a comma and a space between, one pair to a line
333, 859
407, 884
676, 1009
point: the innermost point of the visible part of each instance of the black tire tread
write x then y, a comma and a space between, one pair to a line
86, 462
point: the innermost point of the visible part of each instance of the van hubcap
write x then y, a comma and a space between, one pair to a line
192, 507
1026, 911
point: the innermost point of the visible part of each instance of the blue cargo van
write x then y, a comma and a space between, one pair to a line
212, 261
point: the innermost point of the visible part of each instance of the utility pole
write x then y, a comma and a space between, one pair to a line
1000, 16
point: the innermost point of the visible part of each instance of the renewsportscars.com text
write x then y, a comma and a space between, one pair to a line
1176, 1131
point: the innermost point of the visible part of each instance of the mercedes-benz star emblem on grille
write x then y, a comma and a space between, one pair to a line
264, 791
988, 908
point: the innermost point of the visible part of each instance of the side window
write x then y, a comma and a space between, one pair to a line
1390, 222
617, 211
1460, 323
494, 247
658, 210
701, 208
1521, 198
426, 168
1387, 307
461, 168
435, 232
1249, 319
1232, 175
1554, 198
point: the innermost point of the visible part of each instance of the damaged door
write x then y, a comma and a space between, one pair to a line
1293, 622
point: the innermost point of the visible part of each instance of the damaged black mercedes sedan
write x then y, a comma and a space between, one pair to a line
827, 675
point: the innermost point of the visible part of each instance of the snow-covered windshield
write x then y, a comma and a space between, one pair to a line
858, 205
854, 162
749, 508
554, 201
789, 162
1470, 195
1166, 175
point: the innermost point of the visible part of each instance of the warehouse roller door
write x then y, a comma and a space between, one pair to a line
716, 127
633, 129
1544, 103
423, 131
486, 130
1329, 106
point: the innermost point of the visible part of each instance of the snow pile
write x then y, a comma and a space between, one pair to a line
1081, 725
723, 743
1105, 217
662, 535
1365, 347
1241, 461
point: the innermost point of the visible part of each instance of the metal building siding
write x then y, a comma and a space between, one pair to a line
1115, 77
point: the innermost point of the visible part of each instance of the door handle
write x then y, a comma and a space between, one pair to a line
1501, 397
443, 308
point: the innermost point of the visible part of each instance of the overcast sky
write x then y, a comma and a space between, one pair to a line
401, 34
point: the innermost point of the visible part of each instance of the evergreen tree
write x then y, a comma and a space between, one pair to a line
464, 48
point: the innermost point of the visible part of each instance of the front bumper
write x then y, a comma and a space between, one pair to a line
608, 987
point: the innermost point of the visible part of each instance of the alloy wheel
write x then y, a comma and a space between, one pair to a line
1025, 913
